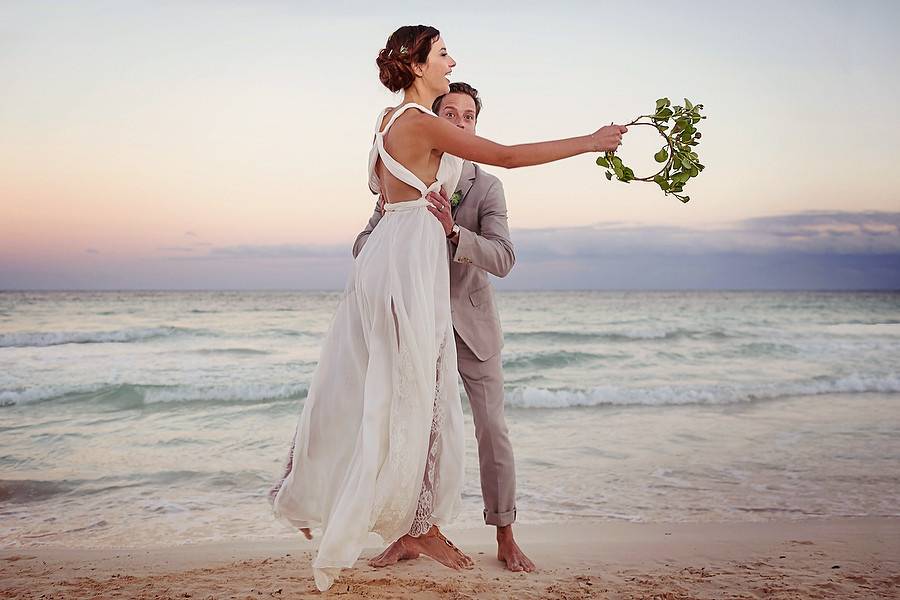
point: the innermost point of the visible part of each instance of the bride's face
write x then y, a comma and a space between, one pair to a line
436, 70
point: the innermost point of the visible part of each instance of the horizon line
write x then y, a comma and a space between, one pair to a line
502, 290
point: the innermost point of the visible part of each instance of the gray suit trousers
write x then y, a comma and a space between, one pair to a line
483, 381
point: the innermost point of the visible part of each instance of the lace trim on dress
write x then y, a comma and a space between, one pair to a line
425, 507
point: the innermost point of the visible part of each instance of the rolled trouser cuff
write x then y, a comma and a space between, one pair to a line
500, 519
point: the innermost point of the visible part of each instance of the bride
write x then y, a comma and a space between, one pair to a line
379, 444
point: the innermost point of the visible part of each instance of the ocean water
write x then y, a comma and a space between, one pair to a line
152, 418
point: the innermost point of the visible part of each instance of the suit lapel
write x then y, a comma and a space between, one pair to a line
466, 179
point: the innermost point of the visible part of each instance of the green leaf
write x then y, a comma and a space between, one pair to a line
609, 176
676, 163
602, 162
688, 105
685, 199
618, 169
661, 156
616, 161
664, 113
662, 103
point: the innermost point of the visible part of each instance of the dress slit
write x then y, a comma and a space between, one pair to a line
425, 507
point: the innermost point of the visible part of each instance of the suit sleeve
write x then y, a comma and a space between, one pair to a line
492, 250
364, 234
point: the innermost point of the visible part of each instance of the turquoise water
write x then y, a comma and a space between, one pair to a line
143, 418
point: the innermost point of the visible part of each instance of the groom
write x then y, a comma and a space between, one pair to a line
474, 219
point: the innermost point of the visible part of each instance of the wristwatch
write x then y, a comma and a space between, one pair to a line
453, 232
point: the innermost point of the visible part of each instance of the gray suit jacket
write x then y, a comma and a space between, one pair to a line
484, 247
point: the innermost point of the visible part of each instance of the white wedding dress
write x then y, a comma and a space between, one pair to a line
379, 443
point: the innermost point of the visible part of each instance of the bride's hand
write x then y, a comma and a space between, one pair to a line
608, 138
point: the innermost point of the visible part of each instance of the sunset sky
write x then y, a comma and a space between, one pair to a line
223, 144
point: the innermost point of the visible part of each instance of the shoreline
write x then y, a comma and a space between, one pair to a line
835, 557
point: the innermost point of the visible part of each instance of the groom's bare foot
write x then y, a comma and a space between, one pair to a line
394, 553
508, 551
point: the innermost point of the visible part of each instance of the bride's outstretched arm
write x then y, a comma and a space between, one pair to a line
446, 137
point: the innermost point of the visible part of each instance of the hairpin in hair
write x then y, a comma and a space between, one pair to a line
403, 51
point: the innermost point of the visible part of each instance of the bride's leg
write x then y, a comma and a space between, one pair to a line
424, 537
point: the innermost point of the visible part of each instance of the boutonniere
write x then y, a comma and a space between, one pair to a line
455, 198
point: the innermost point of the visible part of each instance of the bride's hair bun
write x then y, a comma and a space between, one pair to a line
408, 45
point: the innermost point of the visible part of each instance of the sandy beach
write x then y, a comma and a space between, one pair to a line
818, 558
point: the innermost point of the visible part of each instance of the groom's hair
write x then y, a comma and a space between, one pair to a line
458, 87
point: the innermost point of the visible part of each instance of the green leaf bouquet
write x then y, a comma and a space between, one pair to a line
678, 154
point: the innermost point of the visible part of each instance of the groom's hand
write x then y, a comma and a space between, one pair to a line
440, 208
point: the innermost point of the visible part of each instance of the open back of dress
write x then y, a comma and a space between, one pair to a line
379, 443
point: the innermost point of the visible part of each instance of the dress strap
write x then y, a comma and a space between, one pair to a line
380, 119
395, 167
399, 112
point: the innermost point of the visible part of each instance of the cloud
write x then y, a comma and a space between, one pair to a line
809, 233
810, 250
273, 251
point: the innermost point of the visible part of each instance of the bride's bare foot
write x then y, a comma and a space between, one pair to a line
434, 545
306, 532
394, 553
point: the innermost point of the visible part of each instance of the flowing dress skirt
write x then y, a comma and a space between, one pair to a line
379, 443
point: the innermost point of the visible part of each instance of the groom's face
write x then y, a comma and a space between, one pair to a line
459, 109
